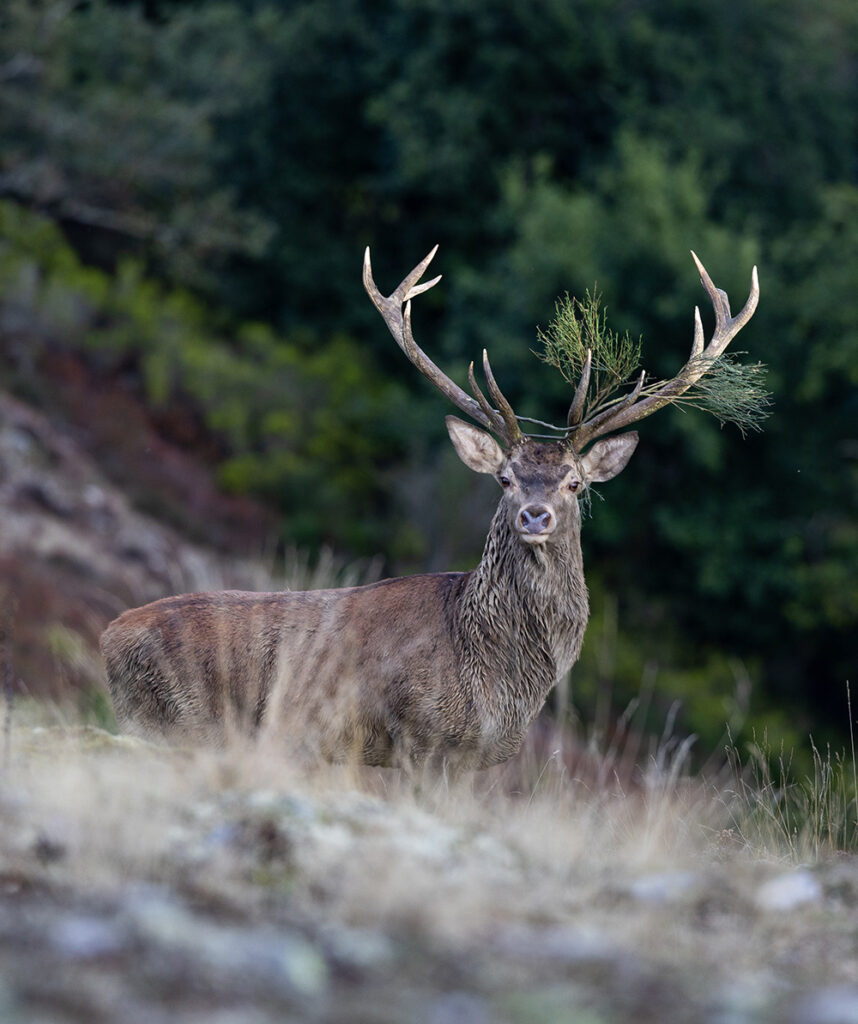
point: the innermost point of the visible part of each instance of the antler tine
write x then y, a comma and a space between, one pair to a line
406, 289
395, 310
418, 289
697, 344
576, 409
726, 326
498, 425
599, 423
513, 431
633, 408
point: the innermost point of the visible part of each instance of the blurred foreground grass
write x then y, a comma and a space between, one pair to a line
145, 884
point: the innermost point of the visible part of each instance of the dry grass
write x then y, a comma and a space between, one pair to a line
527, 893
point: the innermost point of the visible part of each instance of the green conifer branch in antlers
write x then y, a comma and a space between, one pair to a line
732, 391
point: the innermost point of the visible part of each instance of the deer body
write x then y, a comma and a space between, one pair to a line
444, 670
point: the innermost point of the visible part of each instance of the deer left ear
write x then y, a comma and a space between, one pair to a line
609, 457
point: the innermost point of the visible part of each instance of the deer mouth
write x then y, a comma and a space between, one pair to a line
535, 539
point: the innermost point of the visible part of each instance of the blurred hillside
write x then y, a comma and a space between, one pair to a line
74, 552
187, 190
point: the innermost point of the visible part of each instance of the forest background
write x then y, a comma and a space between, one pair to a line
186, 190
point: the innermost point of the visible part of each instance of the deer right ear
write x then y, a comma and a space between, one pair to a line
477, 449
609, 457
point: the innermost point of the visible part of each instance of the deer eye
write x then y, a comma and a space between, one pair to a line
574, 485
504, 481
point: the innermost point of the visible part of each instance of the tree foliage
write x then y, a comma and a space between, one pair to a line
304, 432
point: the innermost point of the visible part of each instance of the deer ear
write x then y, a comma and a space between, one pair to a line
609, 457
477, 449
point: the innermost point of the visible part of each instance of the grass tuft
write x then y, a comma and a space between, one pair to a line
804, 819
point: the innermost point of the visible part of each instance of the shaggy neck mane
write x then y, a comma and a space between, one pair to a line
522, 613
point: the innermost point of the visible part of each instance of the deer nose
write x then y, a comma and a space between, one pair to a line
536, 519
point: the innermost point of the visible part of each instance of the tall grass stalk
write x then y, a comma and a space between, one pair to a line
803, 819
852, 745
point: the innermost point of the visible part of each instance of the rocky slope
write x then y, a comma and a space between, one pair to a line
146, 887
74, 551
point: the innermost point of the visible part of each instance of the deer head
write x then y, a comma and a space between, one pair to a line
541, 482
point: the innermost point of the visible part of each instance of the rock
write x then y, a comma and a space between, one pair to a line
836, 1005
229, 956
666, 887
561, 943
786, 892
287, 805
358, 949
81, 937
459, 1008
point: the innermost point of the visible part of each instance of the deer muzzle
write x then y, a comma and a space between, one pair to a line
536, 523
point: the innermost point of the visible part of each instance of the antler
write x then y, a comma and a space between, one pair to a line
396, 311
633, 407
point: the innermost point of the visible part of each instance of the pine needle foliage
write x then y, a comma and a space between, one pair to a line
732, 391
582, 325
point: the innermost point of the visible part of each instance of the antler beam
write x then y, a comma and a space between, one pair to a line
396, 312
634, 407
